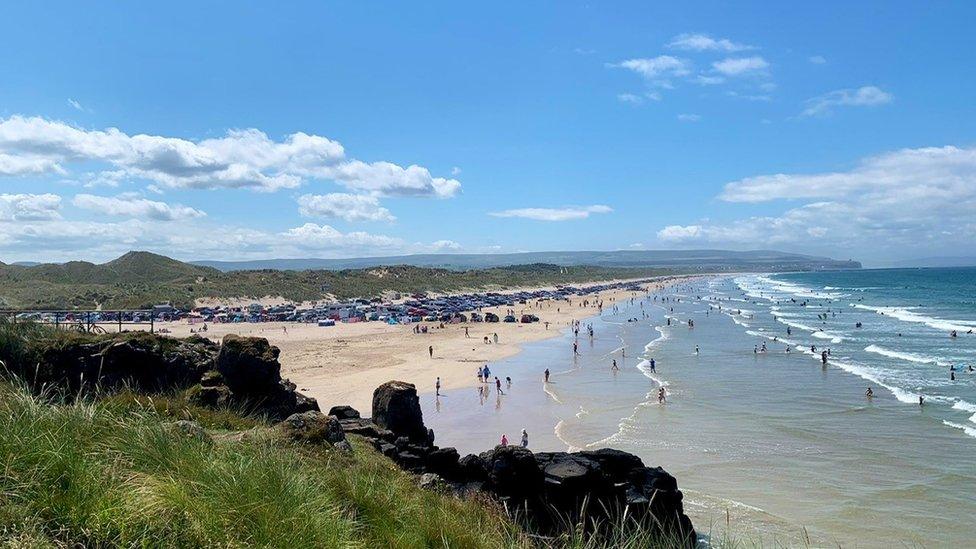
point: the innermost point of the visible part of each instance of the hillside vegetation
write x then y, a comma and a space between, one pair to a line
142, 279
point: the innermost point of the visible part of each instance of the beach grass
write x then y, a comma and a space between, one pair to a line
92, 474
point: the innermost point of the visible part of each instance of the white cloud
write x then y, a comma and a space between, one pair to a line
704, 42
656, 70
865, 96
75, 105
445, 245
908, 200
631, 98
351, 207
817, 59
709, 80
134, 206
555, 214
737, 66
455, 171
29, 207
689, 117
241, 159
325, 237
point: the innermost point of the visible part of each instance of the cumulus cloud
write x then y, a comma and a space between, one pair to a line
555, 214
135, 206
920, 199
865, 96
656, 70
29, 207
738, 66
240, 159
704, 42
817, 59
351, 207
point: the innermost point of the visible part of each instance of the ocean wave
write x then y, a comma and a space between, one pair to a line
966, 407
911, 357
872, 375
909, 314
657, 341
971, 431
815, 332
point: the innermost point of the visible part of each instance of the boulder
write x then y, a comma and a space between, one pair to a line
396, 407
212, 379
431, 481
343, 446
344, 412
472, 467
312, 427
249, 365
444, 461
513, 473
210, 397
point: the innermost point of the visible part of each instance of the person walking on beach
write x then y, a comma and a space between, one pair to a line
504, 440
661, 398
525, 439
498, 385
487, 373
437, 387
547, 375
466, 332
430, 351
696, 349
653, 366
494, 337
614, 366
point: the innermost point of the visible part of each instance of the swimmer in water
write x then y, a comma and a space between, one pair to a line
869, 393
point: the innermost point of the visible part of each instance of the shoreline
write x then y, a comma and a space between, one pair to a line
343, 364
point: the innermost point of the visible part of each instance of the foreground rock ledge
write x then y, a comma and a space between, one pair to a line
552, 487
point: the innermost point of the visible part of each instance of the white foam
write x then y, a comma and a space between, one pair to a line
909, 314
966, 407
971, 431
911, 357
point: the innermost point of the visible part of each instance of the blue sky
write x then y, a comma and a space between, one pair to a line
234, 131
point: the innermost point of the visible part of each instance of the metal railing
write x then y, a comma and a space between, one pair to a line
90, 321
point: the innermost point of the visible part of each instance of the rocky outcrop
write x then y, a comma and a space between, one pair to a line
247, 375
396, 407
142, 361
242, 372
312, 427
554, 488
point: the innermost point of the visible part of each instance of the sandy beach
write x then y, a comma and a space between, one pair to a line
343, 364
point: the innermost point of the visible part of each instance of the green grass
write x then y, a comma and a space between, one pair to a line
97, 475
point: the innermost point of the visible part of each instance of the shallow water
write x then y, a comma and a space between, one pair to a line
778, 444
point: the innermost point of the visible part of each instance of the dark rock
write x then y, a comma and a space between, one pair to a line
249, 365
473, 467
344, 412
431, 481
212, 379
305, 403
387, 449
343, 446
408, 461
444, 461
513, 472
210, 397
366, 428
396, 407
312, 427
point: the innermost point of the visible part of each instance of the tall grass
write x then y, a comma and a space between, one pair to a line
91, 475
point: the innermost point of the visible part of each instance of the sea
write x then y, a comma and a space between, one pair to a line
770, 444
